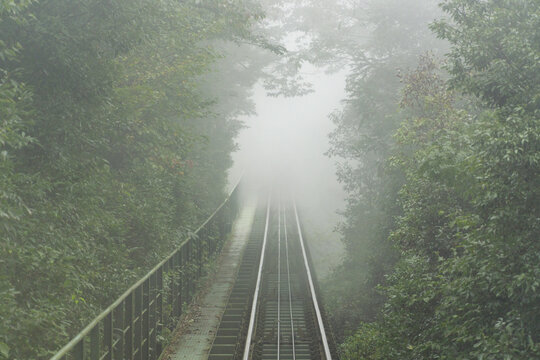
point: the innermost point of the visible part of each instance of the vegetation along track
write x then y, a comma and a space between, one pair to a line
273, 311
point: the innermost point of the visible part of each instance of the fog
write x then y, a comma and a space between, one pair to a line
284, 145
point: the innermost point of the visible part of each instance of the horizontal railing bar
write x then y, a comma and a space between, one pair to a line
86, 331
218, 208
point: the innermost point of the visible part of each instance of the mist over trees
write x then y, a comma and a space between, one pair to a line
113, 146
118, 120
365, 126
438, 149
441, 225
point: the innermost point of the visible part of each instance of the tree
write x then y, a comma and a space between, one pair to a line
109, 161
466, 285
363, 141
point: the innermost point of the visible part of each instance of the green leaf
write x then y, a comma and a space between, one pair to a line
4, 350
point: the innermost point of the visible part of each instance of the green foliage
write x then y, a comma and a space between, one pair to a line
14, 102
495, 49
363, 138
364, 344
110, 151
466, 285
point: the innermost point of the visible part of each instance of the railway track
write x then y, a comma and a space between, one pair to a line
273, 311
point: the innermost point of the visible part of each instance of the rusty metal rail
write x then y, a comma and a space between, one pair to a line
135, 325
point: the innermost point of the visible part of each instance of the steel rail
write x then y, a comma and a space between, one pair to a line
257, 286
279, 282
64, 351
324, 339
289, 282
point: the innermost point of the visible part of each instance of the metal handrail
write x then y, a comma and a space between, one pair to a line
138, 316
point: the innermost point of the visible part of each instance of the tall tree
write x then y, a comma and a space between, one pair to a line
467, 282
363, 140
111, 160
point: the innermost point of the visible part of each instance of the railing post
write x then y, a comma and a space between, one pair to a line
119, 328
146, 320
189, 266
159, 299
79, 350
172, 285
180, 280
128, 321
108, 336
177, 289
94, 343
138, 323
153, 317
166, 297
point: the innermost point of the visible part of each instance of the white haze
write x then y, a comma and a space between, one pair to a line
285, 144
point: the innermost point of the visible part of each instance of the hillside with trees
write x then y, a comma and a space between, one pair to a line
442, 218
118, 120
112, 150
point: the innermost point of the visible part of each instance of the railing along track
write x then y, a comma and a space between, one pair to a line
132, 327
